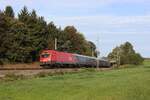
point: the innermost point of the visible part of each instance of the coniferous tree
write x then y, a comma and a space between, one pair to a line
9, 12
6, 36
3, 28
22, 44
23, 15
52, 34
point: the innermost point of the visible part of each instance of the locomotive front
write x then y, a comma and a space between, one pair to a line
45, 57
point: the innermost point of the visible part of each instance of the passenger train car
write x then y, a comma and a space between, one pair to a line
62, 59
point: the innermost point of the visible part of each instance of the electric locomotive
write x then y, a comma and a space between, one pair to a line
62, 59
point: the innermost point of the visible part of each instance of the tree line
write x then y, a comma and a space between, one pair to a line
23, 37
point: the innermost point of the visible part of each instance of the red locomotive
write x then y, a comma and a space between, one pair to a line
56, 58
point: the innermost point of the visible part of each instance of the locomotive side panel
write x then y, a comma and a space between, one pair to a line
65, 58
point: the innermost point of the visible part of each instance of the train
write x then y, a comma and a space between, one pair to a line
51, 58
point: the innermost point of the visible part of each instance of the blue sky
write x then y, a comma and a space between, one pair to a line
112, 21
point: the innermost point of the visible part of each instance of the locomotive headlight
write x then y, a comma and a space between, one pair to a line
49, 59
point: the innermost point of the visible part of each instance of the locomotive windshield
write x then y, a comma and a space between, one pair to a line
45, 55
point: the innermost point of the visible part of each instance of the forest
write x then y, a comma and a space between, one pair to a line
23, 36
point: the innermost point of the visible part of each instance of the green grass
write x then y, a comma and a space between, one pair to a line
121, 84
147, 63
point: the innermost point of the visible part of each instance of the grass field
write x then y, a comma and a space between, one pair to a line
120, 84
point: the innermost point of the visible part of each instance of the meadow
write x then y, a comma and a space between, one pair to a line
132, 83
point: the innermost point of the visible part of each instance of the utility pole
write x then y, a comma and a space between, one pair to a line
98, 53
92, 52
97, 63
120, 50
55, 43
117, 58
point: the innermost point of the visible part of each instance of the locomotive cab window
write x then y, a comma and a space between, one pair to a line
45, 55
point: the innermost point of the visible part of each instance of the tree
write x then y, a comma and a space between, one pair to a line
3, 28
127, 48
70, 29
126, 54
9, 12
51, 33
23, 16
22, 43
6, 36
2, 23
93, 48
74, 42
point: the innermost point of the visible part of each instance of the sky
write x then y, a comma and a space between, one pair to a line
108, 23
